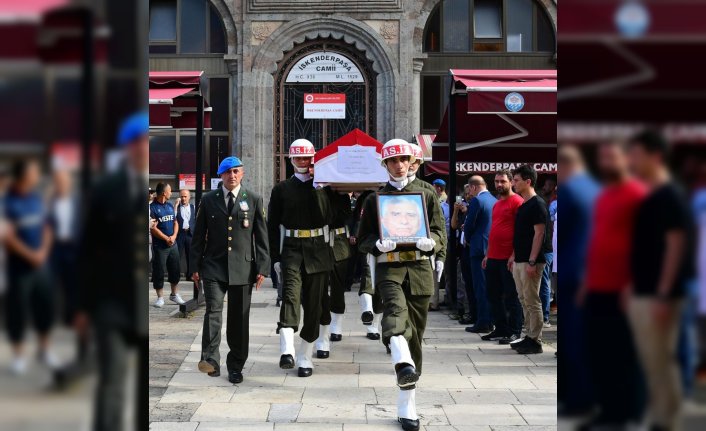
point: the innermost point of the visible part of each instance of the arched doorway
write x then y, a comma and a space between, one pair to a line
327, 66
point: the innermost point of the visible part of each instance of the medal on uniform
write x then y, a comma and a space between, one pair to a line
246, 222
244, 206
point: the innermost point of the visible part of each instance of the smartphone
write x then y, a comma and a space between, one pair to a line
459, 199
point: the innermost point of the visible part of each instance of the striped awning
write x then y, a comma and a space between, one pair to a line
425, 141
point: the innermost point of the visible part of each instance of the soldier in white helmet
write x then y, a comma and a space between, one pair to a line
298, 219
404, 277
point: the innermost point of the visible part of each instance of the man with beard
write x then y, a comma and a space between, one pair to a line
603, 293
502, 294
404, 277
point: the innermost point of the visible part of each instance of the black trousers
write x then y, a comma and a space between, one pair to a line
238, 329
505, 306
29, 293
614, 367
184, 246
113, 345
168, 257
63, 264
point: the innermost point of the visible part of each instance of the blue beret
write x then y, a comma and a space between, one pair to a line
228, 163
439, 182
134, 127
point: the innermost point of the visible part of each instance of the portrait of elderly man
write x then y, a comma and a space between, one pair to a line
401, 217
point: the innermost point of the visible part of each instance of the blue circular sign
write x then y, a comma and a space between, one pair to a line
514, 102
632, 19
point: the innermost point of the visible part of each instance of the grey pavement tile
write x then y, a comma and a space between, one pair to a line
173, 412
538, 414
247, 395
308, 427
387, 414
222, 412
523, 428
502, 381
321, 380
444, 381
284, 412
483, 414
544, 370
180, 394
230, 426
483, 396
173, 426
332, 413
544, 382
371, 427
343, 395
424, 396
484, 370
457, 428
536, 396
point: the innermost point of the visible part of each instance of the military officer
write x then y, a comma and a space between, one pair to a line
334, 304
404, 277
299, 216
229, 252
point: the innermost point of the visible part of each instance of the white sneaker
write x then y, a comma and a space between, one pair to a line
547, 324
159, 303
49, 359
177, 298
18, 366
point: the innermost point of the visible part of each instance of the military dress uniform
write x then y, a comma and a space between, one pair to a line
301, 247
229, 249
334, 303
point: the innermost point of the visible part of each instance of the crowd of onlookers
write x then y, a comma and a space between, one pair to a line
503, 235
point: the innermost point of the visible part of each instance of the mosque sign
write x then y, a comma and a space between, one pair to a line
321, 66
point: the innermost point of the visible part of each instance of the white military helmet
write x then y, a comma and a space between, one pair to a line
418, 153
396, 148
301, 148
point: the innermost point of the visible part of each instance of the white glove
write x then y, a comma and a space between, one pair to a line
386, 245
426, 244
439, 269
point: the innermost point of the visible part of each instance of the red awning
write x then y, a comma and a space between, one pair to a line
175, 78
172, 105
27, 10
496, 107
354, 137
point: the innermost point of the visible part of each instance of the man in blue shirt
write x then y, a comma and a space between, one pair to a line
28, 242
476, 229
166, 251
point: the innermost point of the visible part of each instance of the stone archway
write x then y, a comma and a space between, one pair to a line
229, 24
256, 140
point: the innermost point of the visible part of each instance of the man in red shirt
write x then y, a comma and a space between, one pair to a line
502, 295
605, 290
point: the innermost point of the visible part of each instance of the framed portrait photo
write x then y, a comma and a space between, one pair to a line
402, 217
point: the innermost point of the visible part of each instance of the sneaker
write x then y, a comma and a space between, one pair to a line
49, 359
18, 366
530, 347
547, 324
509, 340
177, 298
495, 335
517, 343
159, 303
455, 316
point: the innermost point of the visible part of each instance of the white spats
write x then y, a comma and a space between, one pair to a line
286, 341
375, 328
337, 323
366, 302
304, 355
399, 350
406, 404
323, 343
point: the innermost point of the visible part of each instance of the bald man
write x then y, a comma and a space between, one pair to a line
476, 229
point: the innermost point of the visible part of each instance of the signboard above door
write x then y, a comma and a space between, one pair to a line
324, 106
322, 66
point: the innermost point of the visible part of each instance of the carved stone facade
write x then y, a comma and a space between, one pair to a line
260, 33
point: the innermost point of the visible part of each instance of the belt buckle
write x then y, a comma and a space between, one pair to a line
406, 256
305, 234
391, 257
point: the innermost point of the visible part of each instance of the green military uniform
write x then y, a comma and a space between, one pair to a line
306, 257
335, 302
405, 287
229, 250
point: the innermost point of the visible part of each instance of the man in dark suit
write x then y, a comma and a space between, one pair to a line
229, 251
186, 219
476, 229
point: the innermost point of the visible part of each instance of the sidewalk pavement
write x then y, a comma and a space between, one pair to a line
467, 385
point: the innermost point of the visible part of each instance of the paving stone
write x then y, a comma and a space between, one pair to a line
182, 394
284, 412
173, 426
538, 414
536, 396
247, 395
332, 413
499, 382
483, 396
220, 412
424, 396
483, 414
319, 395
386, 414
230, 426
173, 412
